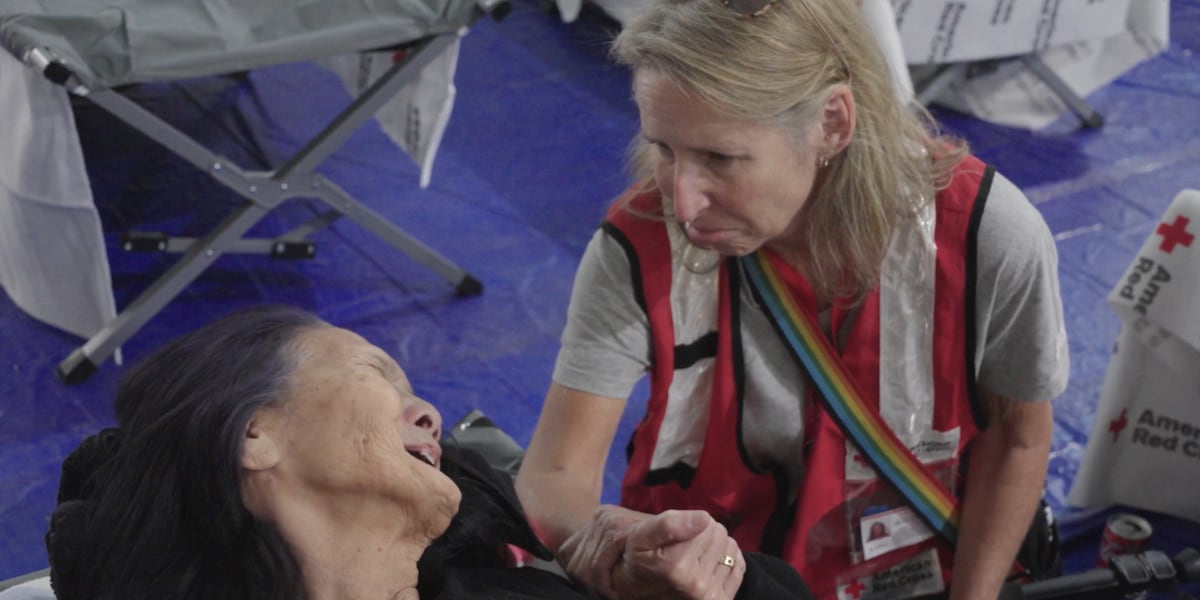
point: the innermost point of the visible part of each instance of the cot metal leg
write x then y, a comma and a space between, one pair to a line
945, 75
929, 89
18, 580
1088, 115
313, 225
83, 361
281, 248
364, 107
336, 197
290, 245
304, 162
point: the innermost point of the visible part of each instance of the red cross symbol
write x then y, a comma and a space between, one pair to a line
1117, 425
1175, 234
855, 589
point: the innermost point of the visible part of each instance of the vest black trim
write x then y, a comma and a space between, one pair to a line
738, 358
782, 518
969, 286
639, 294
635, 267
679, 473
687, 355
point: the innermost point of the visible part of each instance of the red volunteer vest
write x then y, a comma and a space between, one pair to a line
751, 503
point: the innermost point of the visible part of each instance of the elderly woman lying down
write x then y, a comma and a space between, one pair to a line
270, 455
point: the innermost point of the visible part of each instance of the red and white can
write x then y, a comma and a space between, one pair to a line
1123, 534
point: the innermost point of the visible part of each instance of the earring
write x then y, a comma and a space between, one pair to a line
823, 162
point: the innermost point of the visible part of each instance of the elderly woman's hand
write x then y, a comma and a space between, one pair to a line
679, 554
591, 554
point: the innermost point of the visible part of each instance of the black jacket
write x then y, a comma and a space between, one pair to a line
766, 578
469, 561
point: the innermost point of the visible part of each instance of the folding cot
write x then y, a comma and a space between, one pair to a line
93, 48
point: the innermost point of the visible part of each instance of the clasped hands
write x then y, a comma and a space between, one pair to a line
679, 554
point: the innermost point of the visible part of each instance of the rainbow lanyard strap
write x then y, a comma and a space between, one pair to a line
860, 422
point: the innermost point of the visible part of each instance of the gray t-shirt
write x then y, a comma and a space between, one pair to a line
1021, 346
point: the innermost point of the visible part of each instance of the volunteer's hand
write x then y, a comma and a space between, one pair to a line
590, 555
679, 555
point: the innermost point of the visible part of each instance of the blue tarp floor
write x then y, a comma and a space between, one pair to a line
532, 156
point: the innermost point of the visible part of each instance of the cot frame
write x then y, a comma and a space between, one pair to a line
19, 579
260, 192
928, 89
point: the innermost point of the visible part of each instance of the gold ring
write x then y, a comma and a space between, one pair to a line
728, 561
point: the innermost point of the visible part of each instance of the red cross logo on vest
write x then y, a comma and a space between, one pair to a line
855, 590
1175, 234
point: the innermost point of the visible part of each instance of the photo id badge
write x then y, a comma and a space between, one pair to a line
878, 518
892, 529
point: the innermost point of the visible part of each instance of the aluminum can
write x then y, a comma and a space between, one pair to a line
1123, 534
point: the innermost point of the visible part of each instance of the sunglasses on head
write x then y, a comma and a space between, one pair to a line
749, 9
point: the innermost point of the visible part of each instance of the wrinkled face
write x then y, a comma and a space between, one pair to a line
736, 185
356, 430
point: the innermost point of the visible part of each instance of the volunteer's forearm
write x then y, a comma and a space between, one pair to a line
558, 503
1006, 476
562, 473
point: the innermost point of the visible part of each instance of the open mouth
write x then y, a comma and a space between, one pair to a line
424, 456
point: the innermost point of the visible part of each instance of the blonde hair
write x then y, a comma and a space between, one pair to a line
779, 68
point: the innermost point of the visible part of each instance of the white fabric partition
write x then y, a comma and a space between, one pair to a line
52, 258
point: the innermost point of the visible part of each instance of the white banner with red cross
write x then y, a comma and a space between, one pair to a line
1144, 449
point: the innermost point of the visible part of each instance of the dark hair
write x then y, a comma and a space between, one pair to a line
153, 509
164, 517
